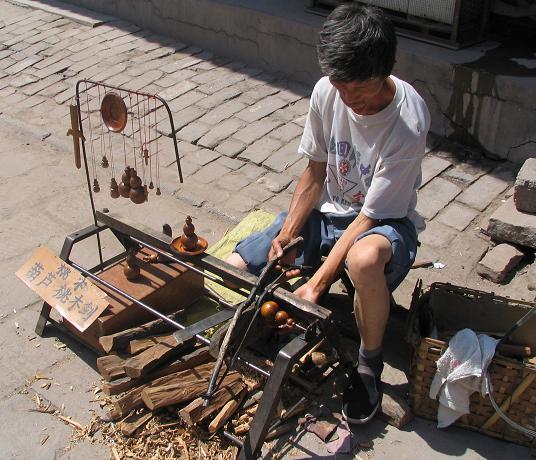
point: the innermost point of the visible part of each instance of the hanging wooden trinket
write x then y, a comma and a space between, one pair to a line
96, 186
158, 192
124, 186
146, 156
104, 162
151, 185
137, 193
114, 188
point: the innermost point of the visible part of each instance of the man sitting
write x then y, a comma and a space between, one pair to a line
364, 139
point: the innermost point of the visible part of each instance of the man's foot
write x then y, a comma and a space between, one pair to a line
362, 397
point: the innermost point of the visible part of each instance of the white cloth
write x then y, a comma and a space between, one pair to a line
459, 374
373, 161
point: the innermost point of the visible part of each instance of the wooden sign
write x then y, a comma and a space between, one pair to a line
63, 287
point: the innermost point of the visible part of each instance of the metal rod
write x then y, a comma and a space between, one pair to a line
136, 301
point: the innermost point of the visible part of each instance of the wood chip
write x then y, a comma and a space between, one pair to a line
71, 422
45, 438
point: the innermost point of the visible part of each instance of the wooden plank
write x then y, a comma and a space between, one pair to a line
120, 340
138, 345
226, 412
196, 411
141, 364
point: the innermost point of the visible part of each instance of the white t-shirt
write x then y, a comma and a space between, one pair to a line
373, 161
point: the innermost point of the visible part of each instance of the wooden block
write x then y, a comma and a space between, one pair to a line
127, 403
141, 364
110, 367
226, 412
134, 421
395, 410
164, 287
197, 411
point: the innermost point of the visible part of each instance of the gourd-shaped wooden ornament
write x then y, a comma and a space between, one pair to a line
114, 188
104, 162
131, 268
124, 186
96, 186
189, 238
137, 193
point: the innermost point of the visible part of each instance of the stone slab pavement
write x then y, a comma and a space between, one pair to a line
238, 130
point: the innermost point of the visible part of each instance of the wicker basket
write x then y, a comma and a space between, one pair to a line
513, 381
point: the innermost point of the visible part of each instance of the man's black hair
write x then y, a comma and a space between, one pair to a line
356, 43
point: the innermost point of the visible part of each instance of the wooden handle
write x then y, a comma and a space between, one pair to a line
74, 131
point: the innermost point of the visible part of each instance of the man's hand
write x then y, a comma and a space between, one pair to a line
276, 252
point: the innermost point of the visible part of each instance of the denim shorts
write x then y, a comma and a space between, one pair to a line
320, 233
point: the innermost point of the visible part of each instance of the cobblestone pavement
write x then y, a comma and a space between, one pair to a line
239, 129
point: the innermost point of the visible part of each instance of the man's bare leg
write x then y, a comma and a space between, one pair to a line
366, 262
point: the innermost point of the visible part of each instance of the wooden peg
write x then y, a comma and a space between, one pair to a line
75, 132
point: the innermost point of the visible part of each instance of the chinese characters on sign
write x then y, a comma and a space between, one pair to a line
63, 287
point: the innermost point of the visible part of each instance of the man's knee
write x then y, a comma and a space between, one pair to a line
369, 256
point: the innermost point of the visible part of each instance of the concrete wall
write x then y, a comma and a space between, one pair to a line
478, 96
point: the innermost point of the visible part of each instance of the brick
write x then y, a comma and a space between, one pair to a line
437, 235
220, 132
177, 90
231, 163
186, 116
260, 150
58, 67
58, 56
34, 88
431, 167
482, 192
509, 224
525, 187
110, 72
22, 79
287, 132
140, 83
231, 147
457, 216
275, 182
283, 158
54, 89
21, 65
233, 182
193, 132
498, 262
6, 62
186, 100
296, 170
202, 157
278, 203
64, 96
215, 86
252, 171
251, 96
226, 110
261, 109
256, 130
219, 97
240, 205
37, 48
468, 171
435, 196
41, 36
259, 194
210, 173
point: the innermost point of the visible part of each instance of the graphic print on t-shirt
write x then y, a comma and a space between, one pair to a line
343, 170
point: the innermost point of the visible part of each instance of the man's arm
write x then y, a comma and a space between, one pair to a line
303, 201
328, 271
